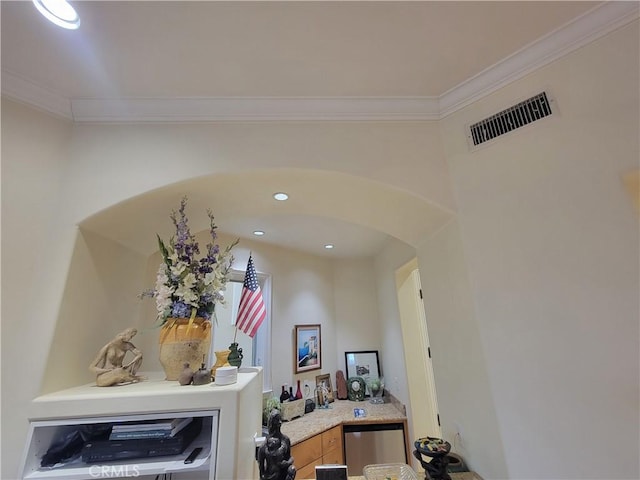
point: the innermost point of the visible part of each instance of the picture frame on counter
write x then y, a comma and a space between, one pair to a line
364, 364
325, 380
331, 472
307, 348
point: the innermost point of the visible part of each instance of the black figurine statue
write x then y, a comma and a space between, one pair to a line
274, 456
437, 449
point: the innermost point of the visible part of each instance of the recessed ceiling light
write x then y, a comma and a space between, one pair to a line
328, 246
58, 12
258, 233
280, 196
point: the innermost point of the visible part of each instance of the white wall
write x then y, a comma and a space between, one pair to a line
551, 241
356, 308
35, 256
463, 389
99, 301
407, 156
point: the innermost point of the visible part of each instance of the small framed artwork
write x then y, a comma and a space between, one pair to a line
331, 472
359, 412
308, 355
363, 364
324, 381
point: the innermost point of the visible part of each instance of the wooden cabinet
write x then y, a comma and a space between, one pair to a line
324, 448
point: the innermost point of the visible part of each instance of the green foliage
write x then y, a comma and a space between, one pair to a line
270, 404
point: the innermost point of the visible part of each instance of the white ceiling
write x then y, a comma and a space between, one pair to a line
158, 61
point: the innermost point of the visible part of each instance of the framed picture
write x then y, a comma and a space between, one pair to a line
308, 355
362, 364
324, 380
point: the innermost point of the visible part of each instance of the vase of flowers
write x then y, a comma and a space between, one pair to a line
187, 290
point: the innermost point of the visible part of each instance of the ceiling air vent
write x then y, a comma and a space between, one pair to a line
512, 118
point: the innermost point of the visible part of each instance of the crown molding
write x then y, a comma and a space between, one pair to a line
211, 109
25, 91
599, 21
577, 33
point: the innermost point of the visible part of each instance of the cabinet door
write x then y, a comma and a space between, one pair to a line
332, 440
333, 457
306, 452
308, 471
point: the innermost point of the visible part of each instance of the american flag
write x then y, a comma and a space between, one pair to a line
251, 311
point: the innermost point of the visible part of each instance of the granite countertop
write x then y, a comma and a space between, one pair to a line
454, 476
340, 412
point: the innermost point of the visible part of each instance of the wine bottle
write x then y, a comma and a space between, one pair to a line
298, 392
284, 396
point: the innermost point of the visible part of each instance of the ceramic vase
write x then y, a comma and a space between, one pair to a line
183, 342
222, 360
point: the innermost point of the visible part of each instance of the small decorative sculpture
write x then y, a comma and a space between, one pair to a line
186, 376
341, 385
235, 355
274, 456
202, 376
108, 364
356, 388
438, 449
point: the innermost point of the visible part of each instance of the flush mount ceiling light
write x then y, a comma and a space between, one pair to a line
328, 246
58, 12
258, 233
281, 196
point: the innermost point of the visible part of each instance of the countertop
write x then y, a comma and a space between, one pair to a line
340, 412
454, 476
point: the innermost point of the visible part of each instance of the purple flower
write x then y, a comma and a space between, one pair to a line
180, 310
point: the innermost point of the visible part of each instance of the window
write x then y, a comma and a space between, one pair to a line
256, 350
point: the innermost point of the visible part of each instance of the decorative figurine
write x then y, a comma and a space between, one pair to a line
186, 376
235, 355
202, 376
356, 388
274, 456
108, 364
341, 385
437, 449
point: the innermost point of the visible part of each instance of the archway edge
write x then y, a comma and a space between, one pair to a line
231, 196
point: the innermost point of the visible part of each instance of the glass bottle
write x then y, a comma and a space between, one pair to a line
284, 396
298, 392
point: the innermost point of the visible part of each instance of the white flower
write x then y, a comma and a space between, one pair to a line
163, 298
178, 268
189, 280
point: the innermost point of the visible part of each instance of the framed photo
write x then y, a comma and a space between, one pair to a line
308, 355
364, 364
359, 412
326, 380
331, 472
